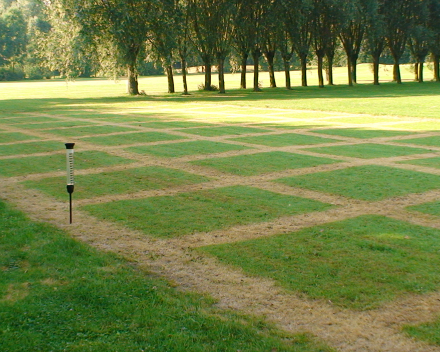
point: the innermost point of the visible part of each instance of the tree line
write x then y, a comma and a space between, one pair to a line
78, 37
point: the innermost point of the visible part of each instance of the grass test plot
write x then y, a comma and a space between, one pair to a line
370, 182
432, 208
12, 137
369, 150
56, 162
58, 294
357, 263
283, 140
362, 133
427, 141
260, 163
419, 126
173, 124
187, 213
29, 148
132, 138
224, 131
429, 162
89, 130
176, 150
27, 120
50, 125
427, 332
118, 182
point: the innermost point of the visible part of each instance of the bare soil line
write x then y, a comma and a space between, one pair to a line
177, 260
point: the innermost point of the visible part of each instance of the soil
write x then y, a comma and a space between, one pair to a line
176, 260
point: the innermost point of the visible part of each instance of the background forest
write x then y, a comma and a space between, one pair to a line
85, 38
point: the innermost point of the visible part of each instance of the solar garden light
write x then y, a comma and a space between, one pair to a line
70, 181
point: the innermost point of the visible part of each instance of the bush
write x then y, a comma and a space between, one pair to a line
9, 74
212, 88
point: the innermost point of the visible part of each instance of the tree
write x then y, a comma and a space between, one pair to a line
270, 36
12, 37
123, 23
434, 26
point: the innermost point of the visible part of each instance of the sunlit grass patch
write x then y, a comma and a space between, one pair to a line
57, 294
357, 263
369, 150
283, 140
49, 125
175, 150
428, 141
419, 126
432, 208
255, 164
30, 148
361, 120
370, 182
117, 182
429, 162
428, 332
11, 137
27, 120
362, 133
184, 214
224, 131
132, 138
57, 162
173, 124
89, 130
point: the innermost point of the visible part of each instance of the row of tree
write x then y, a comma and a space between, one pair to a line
76, 36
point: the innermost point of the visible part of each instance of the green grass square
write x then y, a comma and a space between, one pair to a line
27, 120
370, 182
362, 133
357, 263
428, 332
223, 131
428, 162
175, 150
117, 182
187, 213
433, 141
57, 162
89, 130
369, 150
419, 126
11, 137
361, 120
172, 124
132, 138
30, 148
50, 125
255, 164
283, 140
432, 208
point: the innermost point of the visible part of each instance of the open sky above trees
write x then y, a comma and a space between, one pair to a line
71, 38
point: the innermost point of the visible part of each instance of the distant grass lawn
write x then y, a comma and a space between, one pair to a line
187, 213
284, 140
370, 183
358, 263
57, 162
255, 164
223, 131
369, 150
362, 133
176, 150
57, 294
131, 138
117, 182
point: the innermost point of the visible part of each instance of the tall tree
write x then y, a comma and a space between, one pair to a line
123, 23
270, 36
434, 26
12, 37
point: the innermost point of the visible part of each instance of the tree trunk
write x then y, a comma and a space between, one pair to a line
436, 59
133, 84
330, 69
221, 74
208, 69
256, 57
270, 58
287, 72
243, 71
376, 70
350, 71
420, 72
354, 68
396, 72
416, 72
320, 75
303, 59
170, 77
185, 83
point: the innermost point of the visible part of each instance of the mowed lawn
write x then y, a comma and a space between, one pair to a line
173, 166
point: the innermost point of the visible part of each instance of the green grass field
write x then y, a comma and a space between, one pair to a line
278, 185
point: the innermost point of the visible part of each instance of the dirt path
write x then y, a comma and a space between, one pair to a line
175, 259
